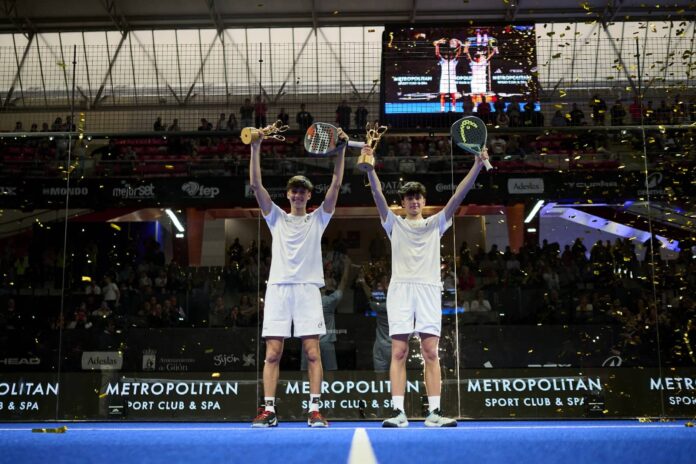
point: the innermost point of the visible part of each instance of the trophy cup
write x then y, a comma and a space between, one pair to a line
252, 134
366, 163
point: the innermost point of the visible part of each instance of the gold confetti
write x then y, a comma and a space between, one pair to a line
62, 429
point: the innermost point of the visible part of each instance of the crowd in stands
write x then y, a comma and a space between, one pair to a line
539, 284
602, 284
225, 154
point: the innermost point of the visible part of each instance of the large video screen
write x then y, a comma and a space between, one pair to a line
433, 70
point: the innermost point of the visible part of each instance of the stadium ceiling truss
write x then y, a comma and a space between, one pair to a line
133, 19
159, 14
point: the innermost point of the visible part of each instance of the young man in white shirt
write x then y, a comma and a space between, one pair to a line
414, 295
296, 275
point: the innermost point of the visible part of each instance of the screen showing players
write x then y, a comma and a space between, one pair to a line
434, 70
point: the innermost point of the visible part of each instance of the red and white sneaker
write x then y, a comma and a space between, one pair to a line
315, 419
265, 419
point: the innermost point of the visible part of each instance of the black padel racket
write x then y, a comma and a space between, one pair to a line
469, 134
323, 139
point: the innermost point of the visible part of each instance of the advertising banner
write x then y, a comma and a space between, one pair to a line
224, 192
536, 393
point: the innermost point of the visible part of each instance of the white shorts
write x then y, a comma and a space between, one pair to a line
448, 86
414, 308
288, 304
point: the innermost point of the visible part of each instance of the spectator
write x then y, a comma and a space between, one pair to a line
205, 125
480, 303
599, 110
501, 118
111, 293
232, 124
260, 108
361, 116
174, 127
558, 120
158, 126
636, 111
218, 313
246, 113
663, 114
513, 112
498, 146
577, 116
304, 118
483, 110
79, 320
617, 113
283, 117
343, 115
221, 123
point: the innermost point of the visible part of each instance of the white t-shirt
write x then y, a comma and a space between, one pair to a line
416, 248
296, 247
479, 70
448, 75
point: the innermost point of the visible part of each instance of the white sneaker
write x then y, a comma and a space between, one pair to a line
435, 419
398, 419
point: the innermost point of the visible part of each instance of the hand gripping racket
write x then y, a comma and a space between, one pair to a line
469, 134
324, 139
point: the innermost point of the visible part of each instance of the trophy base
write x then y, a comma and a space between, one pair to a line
250, 134
366, 163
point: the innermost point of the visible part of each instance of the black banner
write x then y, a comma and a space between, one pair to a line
235, 349
552, 393
614, 186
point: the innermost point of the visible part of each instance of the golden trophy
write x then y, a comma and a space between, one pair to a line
375, 132
252, 134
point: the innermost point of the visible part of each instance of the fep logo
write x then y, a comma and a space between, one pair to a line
196, 190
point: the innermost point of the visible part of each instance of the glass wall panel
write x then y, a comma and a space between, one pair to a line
136, 266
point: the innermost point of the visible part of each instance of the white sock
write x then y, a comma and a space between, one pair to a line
313, 402
398, 403
270, 403
433, 403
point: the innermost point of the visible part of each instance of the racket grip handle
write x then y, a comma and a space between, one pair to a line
354, 144
487, 164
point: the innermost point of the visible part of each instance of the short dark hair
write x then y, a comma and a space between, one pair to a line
412, 188
300, 181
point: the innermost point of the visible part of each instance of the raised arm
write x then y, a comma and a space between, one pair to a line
437, 47
458, 51
345, 277
376, 188
492, 52
465, 185
262, 196
360, 280
466, 50
332, 193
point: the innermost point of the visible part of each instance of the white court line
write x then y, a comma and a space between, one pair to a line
361, 451
116, 428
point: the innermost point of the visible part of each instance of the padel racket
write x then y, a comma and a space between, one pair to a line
469, 134
324, 139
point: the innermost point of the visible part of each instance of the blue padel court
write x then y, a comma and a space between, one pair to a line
567, 442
